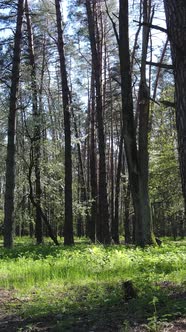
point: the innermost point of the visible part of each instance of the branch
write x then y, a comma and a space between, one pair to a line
159, 69
82, 55
167, 103
152, 26
116, 80
3, 81
116, 16
113, 23
159, 64
154, 101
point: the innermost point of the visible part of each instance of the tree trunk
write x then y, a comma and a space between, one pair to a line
138, 188
68, 224
127, 226
34, 203
114, 222
10, 161
104, 234
93, 227
115, 226
81, 178
175, 11
37, 128
143, 111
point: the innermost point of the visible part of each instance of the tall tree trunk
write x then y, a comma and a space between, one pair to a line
10, 161
175, 11
143, 111
114, 222
81, 178
127, 218
138, 189
68, 224
114, 226
93, 227
37, 128
117, 190
34, 203
104, 234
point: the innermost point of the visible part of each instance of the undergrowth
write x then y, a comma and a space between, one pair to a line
89, 281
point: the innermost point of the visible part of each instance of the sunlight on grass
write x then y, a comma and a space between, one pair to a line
29, 266
50, 279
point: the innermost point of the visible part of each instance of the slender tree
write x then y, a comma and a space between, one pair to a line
68, 225
143, 111
11, 146
102, 227
115, 224
37, 126
93, 163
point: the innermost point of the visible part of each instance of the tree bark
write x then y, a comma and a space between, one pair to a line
115, 226
175, 11
127, 213
37, 128
34, 203
143, 111
68, 223
114, 221
138, 188
93, 226
104, 232
11, 149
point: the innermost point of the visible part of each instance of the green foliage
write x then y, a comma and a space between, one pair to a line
165, 184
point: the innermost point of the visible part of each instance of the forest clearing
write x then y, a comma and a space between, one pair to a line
93, 287
93, 165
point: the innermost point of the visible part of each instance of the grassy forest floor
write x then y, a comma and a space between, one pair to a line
90, 288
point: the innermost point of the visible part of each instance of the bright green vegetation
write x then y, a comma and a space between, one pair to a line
84, 283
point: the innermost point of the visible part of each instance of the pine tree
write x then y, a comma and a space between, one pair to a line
11, 146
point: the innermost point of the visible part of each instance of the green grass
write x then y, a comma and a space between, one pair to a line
85, 282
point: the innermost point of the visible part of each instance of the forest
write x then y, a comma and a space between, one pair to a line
93, 165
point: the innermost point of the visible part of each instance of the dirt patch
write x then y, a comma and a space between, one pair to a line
10, 321
14, 323
178, 325
6, 297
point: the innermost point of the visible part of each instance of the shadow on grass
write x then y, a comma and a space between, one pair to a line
31, 250
79, 309
41, 251
25, 247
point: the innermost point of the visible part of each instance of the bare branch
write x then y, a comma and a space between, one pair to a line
152, 26
159, 69
168, 103
160, 65
113, 23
